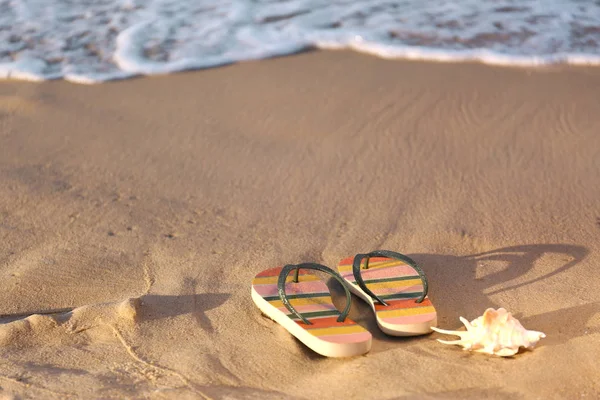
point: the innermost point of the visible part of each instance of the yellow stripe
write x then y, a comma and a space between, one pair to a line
403, 312
273, 279
303, 302
396, 284
380, 264
337, 330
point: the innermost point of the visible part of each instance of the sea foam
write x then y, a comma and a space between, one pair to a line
90, 41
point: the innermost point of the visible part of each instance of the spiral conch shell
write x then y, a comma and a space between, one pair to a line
497, 332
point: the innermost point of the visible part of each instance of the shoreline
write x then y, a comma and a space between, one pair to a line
457, 59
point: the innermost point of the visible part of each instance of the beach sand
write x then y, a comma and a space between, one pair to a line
150, 204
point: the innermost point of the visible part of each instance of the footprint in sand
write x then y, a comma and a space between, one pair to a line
37, 328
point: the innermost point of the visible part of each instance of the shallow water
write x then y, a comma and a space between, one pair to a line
97, 40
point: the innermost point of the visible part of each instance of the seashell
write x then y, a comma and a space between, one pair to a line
496, 332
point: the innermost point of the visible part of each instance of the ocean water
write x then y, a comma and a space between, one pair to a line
90, 41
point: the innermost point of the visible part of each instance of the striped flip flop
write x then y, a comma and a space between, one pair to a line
395, 287
302, 304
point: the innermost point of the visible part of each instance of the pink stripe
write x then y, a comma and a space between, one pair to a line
410, 319
348, 338
379, 273
310, 308
292, 288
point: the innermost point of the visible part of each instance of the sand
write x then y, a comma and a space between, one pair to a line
148, 205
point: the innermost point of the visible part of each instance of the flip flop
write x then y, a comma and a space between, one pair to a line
395, 287
302, 304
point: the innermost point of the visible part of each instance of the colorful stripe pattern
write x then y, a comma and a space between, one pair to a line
398, 284
311, 298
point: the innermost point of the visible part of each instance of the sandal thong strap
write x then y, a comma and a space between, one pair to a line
285, 271
388, 254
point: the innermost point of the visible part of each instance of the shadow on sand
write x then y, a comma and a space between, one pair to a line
166, 306
474, 292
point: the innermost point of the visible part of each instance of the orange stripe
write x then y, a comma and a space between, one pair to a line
347, 261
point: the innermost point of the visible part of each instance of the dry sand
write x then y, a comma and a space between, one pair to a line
150, 204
